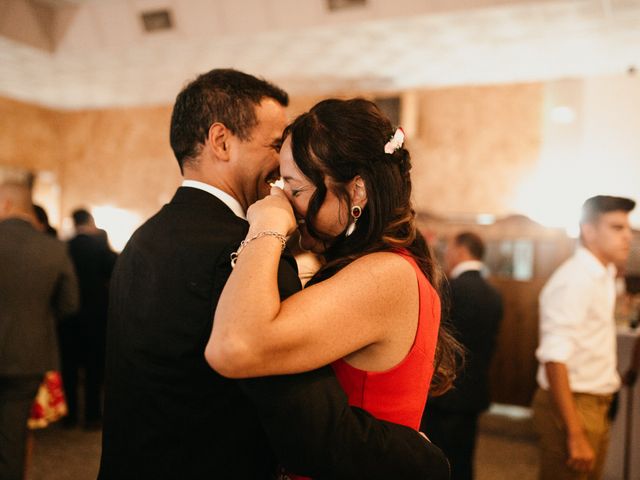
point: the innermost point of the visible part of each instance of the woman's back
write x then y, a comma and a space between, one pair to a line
399, 394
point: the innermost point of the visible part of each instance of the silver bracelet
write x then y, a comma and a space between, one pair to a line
265, 233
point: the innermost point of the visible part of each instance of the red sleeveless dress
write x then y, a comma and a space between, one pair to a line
399, 394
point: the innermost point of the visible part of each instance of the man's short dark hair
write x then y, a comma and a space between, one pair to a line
472, 242
81, 217
221, 95
595, 206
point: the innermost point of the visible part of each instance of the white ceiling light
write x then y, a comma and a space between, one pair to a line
563, 114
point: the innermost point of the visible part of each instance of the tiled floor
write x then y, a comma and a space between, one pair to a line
506, 446
506, 450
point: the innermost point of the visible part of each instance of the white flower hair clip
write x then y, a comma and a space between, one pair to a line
396, 141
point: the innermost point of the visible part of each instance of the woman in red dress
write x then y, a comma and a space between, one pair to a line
372, 310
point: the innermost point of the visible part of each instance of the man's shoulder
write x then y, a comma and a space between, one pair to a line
52, 244
470, 279
182, 229
571, 271
570, 280
15, 227
191, 205
83, 240
467, 276
473, 288
32, 240
44, 249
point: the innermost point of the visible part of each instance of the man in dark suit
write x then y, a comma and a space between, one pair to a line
82, 336
37, 285
167, 414
451, 420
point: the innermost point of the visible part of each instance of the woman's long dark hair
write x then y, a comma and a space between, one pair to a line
340, 139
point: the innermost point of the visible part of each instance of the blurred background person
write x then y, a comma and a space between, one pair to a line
42, 221
451, 420
82, 336
37, 285
577, 375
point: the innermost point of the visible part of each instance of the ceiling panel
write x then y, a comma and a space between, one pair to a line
103, 58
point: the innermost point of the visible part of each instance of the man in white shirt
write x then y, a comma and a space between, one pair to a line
577, 375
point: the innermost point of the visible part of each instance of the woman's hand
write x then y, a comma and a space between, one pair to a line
273, 212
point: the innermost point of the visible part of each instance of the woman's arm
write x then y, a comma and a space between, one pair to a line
254, 334
315, 432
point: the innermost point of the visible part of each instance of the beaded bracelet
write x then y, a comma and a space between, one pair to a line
265, 233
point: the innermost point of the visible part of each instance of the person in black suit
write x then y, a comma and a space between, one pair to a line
450, 421
37, 285
167, 413
82, 336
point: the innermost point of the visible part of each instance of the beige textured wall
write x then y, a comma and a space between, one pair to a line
474, 145
118, 157
471, 147
29, 136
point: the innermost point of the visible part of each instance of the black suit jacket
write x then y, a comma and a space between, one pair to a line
168, 415
475, 315
37, 286
93, 261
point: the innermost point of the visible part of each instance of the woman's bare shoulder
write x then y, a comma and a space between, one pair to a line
382, 268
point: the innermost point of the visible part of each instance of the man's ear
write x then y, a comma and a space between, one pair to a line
218, 141
358, 191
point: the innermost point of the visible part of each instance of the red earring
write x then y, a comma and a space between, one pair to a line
356, 211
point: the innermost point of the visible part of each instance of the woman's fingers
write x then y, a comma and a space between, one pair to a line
273, 212
277, 191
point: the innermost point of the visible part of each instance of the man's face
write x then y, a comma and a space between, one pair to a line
256, 159
609, 237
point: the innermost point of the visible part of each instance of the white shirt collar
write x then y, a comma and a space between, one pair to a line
224, 197
593, 264
468, 265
